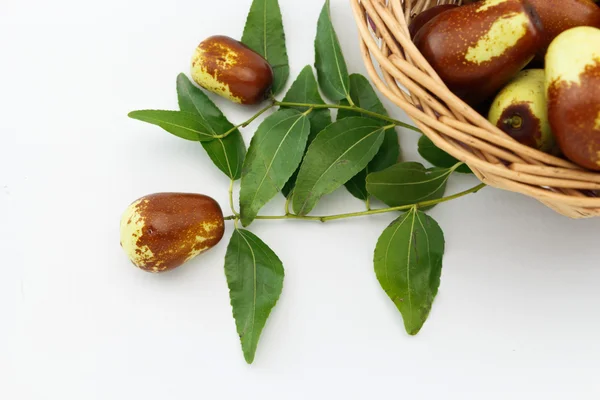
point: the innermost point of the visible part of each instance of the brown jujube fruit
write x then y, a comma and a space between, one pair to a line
577, 127
477, 48
525, 129
573, 93
425, 16
559, 15
161, 231
231, 69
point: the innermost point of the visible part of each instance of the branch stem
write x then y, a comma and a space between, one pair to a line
311, 107
231, 205
350, 108
326, 218
246, 123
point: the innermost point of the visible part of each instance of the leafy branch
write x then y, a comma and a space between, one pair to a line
354, 108
187, 126
300, 151
245, 123
326, 218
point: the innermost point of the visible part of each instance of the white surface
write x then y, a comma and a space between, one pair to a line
517, 313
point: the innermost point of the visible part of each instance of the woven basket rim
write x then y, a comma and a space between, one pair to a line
401, 74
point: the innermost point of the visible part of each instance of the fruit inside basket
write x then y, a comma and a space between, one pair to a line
510, 87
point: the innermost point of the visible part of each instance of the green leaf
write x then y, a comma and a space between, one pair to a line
408, 183
306, 91
255, 279
439, 157
338, 153
179, 123
264, 34
357, 186
408, 265
227, 153
329, 60
388, 155
275, 152
364, 96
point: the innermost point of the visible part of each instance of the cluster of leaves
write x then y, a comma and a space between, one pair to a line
301, 152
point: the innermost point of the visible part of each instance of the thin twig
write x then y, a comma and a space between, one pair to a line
326, 218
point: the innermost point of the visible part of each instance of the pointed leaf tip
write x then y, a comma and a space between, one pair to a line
179, 123
331, 66
255, 279
265, 35
408, 264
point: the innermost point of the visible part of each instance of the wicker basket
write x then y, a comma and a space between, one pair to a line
410, 82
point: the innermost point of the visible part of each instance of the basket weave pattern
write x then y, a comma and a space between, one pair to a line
406, 78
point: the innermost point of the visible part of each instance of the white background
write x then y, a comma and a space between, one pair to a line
517, 313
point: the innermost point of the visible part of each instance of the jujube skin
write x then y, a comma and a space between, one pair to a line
424, 17
161, 231
232, 70
521, 110
558, 16
477, 48
573, 93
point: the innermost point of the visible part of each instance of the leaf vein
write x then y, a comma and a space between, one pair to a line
334, 163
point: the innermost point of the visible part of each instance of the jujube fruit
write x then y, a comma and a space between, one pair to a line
521, 110
425, 16
559, 15
230, 69
477, 48
161, 231
573, 93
